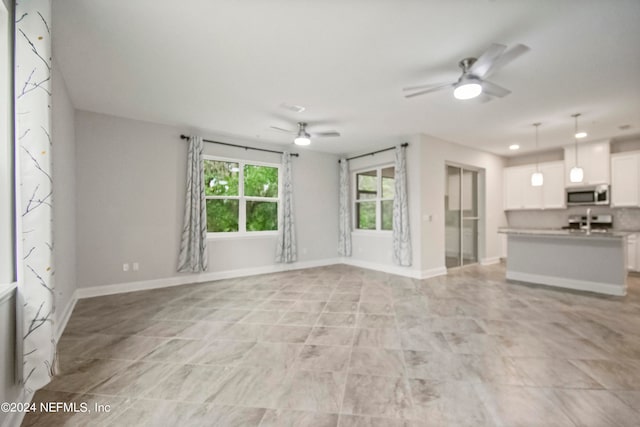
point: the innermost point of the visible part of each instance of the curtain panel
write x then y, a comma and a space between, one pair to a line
33, 64
286, 250
401, 234
344, 214
194, 257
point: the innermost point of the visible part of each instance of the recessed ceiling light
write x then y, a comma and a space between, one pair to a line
580, 135
514, 147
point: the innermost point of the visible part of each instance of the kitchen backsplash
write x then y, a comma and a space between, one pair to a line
623, 218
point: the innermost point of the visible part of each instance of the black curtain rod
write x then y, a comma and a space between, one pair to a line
404, 144
241, 146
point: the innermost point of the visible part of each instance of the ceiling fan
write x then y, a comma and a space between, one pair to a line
302, 136
474, 71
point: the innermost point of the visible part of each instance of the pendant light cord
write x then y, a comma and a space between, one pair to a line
575, 139
537, 153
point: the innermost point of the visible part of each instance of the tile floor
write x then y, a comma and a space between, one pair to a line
350, 347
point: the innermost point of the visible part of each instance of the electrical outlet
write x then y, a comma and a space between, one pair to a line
125, 267
136, 266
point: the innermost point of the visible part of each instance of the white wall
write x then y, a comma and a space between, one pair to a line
130, 196
435, 154
64, 194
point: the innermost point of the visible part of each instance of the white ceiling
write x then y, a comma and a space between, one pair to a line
226, 66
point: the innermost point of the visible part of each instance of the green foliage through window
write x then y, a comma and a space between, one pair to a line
237, 191
375, 190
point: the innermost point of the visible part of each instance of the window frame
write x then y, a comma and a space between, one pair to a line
242, 200
378, 199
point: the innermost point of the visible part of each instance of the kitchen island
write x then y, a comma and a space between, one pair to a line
572, 259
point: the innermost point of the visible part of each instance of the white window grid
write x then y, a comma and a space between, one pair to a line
378, 199
242, 199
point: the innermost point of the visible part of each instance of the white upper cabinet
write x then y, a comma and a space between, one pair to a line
553, 193
520, 194
625, 179
593, 158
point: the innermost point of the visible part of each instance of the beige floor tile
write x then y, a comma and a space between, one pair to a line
249, 386
376, 321
378, 337
547, 372
376, 361
272, 355
421, 339
290, 334
353, 347
345, 320
188, 383
299, 318
136, 380
313, 391
323, 358
521, 406
322, 335
287, 418
79, 375
612, 374
377, 396
451, 403
364, 421
223, 353
161, 413
596, 408
176, 351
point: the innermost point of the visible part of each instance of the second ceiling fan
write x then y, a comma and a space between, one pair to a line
302, 136
474, 71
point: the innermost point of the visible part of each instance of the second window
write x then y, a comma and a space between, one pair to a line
374, 190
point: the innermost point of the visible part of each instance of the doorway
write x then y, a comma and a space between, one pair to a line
461, 216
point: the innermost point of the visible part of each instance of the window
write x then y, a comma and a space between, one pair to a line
241, 197
374, 198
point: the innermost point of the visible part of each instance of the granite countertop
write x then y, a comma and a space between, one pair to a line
568, 233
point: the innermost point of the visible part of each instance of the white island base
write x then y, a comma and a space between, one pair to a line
594, 263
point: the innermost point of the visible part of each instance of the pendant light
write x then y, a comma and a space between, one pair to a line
576, 174
536, 178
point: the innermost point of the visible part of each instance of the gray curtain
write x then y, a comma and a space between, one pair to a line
344, 214
401, 234
193, 248
286, 250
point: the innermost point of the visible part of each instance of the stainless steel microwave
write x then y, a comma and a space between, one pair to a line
592, 195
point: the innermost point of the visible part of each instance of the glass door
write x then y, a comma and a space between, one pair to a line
461, 217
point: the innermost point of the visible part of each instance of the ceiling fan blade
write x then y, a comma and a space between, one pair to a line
433, 89
424, 86
325, 134
494, 90
507, 57
282, 130
486, 60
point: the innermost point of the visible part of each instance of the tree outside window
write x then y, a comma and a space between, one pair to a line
374, 198
241, 197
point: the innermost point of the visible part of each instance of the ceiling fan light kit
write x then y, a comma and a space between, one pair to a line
472, 82
467, 89
302, 137
302, 140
